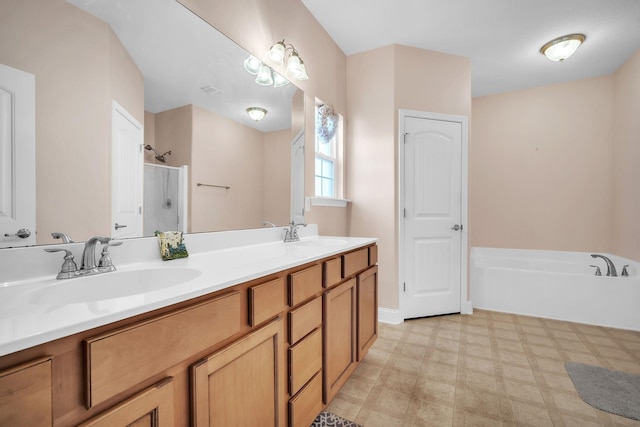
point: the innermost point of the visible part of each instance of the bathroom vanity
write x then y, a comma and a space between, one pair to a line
265, 334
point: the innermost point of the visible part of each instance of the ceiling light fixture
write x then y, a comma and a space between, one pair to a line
295, 64
256, 113
563, 47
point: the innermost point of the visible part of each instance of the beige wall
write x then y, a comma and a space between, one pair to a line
276, 179
80, 66
626, 158
540, 167
404, 78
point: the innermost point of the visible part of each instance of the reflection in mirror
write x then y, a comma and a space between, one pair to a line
175, 74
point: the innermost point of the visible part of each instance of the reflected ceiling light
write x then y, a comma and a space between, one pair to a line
563, 47
264, 77
295, 64
252, 65
256, 113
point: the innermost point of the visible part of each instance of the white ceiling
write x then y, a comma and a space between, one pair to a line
178, 53
501, 37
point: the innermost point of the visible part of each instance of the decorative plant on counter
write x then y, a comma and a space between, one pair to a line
326, 123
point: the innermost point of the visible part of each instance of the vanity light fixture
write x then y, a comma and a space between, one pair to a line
295, 64
563, 47
265, 75
256, 113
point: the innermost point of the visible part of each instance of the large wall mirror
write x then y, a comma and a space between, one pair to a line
179, 78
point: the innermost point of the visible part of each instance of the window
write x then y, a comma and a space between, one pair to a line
327, 151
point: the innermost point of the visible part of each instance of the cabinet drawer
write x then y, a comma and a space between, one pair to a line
25, 395
151, 407
305, 284
332, 272
373, 255
355, 261
118, 360
305, 359
304, 320
266, 301
306, 405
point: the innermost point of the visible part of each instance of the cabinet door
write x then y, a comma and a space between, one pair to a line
242, 384
340, 337
152, 407
25, 395
367, 310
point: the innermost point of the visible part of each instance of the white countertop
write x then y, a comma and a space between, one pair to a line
40, 310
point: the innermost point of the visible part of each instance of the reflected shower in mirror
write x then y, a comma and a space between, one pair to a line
172, 72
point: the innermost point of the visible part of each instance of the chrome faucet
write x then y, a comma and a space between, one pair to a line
89, 254
89, 265
64, 236
611, 268
291, 234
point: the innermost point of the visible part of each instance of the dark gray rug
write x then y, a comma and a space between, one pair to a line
611, 391
327, 419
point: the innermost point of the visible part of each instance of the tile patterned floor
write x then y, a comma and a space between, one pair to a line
486, 369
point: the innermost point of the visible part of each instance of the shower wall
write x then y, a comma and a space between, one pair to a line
164, 199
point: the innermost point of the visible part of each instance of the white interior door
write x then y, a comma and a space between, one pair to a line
432, 237
17, 158
127, 166
297, 179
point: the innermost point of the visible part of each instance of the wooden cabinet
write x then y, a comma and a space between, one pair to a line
241, 385
367, 291
26, 395
269, 352
339, 337
152, 407
120, 359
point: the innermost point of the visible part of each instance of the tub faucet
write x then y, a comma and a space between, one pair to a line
611, 268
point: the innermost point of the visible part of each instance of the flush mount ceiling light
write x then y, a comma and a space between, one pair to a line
256, 113
563, 47
295, 64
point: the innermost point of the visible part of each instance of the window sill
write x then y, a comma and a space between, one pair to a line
327, 202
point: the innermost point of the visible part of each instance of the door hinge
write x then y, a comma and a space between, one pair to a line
405, 137
139, 210
404, 286
404, 212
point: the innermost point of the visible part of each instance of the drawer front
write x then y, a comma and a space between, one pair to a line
304, 320
355, 261
305, 360
118, 360
306, 405
332, 272
305, 284
373, 255
266, 301
25, 395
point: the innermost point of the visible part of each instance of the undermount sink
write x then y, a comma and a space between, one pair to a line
111, 285
321, 242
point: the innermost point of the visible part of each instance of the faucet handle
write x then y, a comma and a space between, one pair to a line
105, 263
69, 267
625, 272
598, 272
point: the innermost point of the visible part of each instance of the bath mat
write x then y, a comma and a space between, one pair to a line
327, 419
610, 391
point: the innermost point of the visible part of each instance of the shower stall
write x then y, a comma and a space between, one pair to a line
165, 198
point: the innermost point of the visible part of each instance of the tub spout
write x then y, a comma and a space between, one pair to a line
611, 268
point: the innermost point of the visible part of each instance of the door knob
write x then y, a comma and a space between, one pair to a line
23, 233
118, 226
456, 227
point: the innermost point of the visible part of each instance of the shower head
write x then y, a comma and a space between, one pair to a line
159, 157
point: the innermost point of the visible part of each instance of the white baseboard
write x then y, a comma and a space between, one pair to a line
469, 309
387, 315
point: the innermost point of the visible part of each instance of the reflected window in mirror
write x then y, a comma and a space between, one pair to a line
328, 149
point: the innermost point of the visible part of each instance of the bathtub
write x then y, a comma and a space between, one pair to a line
555, 285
